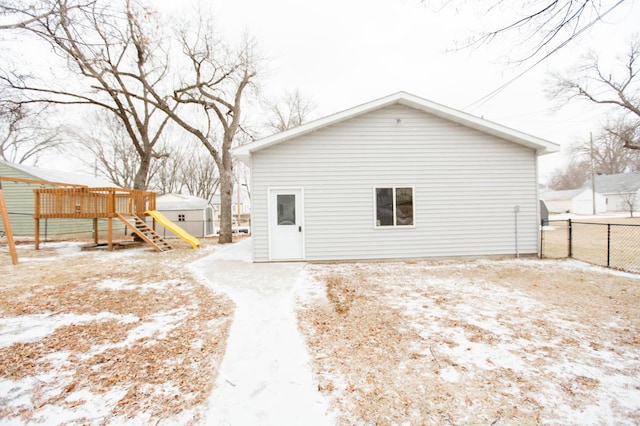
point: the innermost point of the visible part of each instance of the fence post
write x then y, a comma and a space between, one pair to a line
608, 245
570, 239
542, 240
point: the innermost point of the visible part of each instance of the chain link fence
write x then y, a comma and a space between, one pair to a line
612, 245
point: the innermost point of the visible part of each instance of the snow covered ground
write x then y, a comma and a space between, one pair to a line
265, 377
510, 342
127, 337
485, 342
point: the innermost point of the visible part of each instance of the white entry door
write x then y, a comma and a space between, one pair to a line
286, 218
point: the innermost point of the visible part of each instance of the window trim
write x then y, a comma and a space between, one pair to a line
375, 207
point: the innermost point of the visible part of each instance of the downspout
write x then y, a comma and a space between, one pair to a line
516, 210
538, 207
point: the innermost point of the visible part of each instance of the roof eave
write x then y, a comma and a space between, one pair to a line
541, 146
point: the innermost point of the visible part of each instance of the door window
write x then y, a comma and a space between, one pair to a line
286, 209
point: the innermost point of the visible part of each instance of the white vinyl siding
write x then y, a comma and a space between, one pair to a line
465, 183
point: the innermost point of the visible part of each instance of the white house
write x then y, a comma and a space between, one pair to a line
578, 201
621, 190
194, 215
398, 177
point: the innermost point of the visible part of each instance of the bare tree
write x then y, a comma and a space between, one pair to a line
24, 135
200, 176
573, 176
167, 176
610, 155
292, 110
537, 27
618, 89
179, 165
629, 199
112, 48
626, 131
19, 14
111, 154
185, 167
213, 93
117, 53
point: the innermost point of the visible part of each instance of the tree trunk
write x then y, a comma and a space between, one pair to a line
226, 199
140, 180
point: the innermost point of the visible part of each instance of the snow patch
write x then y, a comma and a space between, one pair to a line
125, 284
34, 327
450, 374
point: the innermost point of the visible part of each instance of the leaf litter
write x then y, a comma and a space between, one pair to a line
136, 339
484, 342
97, 338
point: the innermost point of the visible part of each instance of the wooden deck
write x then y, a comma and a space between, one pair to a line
90, 203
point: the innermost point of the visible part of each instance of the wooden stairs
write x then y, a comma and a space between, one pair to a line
144, 231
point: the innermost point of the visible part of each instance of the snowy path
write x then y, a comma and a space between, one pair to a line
265, 377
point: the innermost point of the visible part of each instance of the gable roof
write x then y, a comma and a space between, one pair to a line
49, 175
180, 202
402, 98
622, 182
566, 194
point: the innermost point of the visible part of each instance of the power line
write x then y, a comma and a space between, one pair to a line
486, 98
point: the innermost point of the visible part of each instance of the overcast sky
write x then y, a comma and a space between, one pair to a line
343, 53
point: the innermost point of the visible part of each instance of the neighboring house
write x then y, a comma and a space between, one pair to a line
577, 201
621, 190
20, 200
398, 177
194, 215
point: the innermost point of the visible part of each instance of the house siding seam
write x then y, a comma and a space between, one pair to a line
449, 166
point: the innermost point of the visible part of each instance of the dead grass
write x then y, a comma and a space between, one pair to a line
353, 334
589, 242
156, 375
454, 343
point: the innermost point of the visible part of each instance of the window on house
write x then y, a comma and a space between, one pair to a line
394, 206
286, 209
181, 218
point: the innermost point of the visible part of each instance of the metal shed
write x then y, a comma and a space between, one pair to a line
195, 215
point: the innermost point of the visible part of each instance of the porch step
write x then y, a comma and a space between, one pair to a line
141, 229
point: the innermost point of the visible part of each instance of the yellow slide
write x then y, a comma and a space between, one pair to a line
162, 220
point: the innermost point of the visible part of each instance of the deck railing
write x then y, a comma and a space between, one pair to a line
78, 203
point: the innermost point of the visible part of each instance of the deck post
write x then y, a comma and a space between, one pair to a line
110, 234
37, 234
95, 230
36, 226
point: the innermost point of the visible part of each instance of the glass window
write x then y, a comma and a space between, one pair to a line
404, 206
394, 206
286, 209
384, 206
